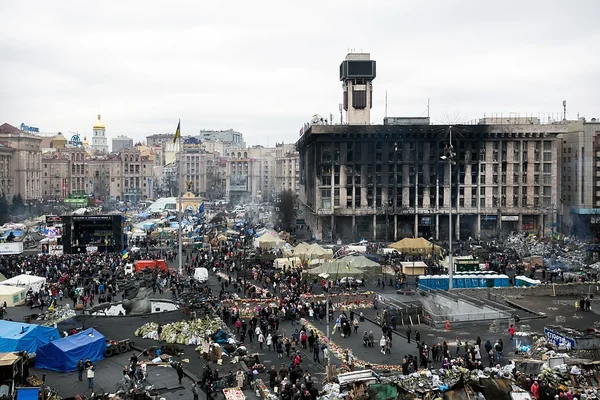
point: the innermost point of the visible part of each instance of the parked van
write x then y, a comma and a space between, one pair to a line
128, 269
150, 265
201, 275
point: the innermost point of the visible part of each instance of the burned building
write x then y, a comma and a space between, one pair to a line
389, 181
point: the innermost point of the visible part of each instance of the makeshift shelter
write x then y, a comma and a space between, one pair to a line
12, 295
26, 281
63, 354
335, 270
312, 251
268, 241
16, 336
414, 268
416, 246
360, 262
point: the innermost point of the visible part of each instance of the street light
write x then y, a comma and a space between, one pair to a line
448, 157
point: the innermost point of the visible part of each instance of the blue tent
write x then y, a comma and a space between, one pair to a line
62, 355
16, 336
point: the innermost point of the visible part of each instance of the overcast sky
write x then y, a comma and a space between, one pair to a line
265, 67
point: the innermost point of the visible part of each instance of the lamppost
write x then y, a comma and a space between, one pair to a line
449, 158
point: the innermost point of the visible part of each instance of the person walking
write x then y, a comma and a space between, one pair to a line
408, 331
80, 368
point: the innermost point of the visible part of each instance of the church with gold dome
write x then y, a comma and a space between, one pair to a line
99, 139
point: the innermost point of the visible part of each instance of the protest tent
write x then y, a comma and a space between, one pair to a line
312, 251
63, 354
335, 270
12, 295
268, 241
416, 246
17, 336
32, 282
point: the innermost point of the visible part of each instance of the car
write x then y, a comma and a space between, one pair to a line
350, 280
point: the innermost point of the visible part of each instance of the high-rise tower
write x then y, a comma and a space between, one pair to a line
357, 72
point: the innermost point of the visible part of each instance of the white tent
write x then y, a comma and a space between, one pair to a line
26, 281
12, 295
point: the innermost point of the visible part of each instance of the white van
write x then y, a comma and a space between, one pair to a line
201, 275
129, 269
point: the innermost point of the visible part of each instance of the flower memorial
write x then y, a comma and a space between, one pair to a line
182, 332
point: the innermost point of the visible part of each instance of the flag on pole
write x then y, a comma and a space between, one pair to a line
177, 132
201, 208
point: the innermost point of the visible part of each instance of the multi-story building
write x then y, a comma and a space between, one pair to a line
251, 174
214, 146
231, 139
385, 182
25, 162
99, 139
580, 200
216, 177
7, 183
193, 175
159, 139
287, 168
137, 176
121, 142
65, 172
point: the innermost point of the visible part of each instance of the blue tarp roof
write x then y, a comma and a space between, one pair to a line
17, 336
62, 355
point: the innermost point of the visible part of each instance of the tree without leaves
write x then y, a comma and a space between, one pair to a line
286, 211
17, 207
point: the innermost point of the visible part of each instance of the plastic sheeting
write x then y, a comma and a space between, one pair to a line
16, 336
62, 355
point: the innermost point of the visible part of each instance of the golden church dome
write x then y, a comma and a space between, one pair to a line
85, 143
99, 124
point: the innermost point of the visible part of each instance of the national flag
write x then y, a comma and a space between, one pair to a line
177, 132
201, 208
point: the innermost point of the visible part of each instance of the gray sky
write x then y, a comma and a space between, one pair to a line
265, 67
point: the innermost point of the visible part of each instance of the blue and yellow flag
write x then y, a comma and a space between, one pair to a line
177, 132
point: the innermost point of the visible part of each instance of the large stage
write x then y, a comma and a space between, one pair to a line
92, 233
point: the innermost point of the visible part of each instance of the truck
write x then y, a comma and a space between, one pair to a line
11, 248
150, 265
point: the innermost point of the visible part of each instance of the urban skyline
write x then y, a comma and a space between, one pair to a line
266, 85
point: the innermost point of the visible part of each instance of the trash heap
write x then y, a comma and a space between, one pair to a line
183, 332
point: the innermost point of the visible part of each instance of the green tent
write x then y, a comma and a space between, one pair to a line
335, 270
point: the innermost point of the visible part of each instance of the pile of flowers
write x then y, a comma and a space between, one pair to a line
263, 391
182, 332
332, 297
353, 305
234, 394
340, 352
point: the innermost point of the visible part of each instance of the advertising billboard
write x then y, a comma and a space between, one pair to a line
238, 183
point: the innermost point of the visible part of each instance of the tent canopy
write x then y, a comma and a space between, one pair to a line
269, 241
335, 270
310, 251
416, 246
16, 336
27, 281
62, 355
12, 295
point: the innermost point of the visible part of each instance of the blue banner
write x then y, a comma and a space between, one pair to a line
557, 338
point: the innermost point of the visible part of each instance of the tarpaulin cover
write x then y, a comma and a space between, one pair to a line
17, 336
28, 393
62, 355
220, 337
